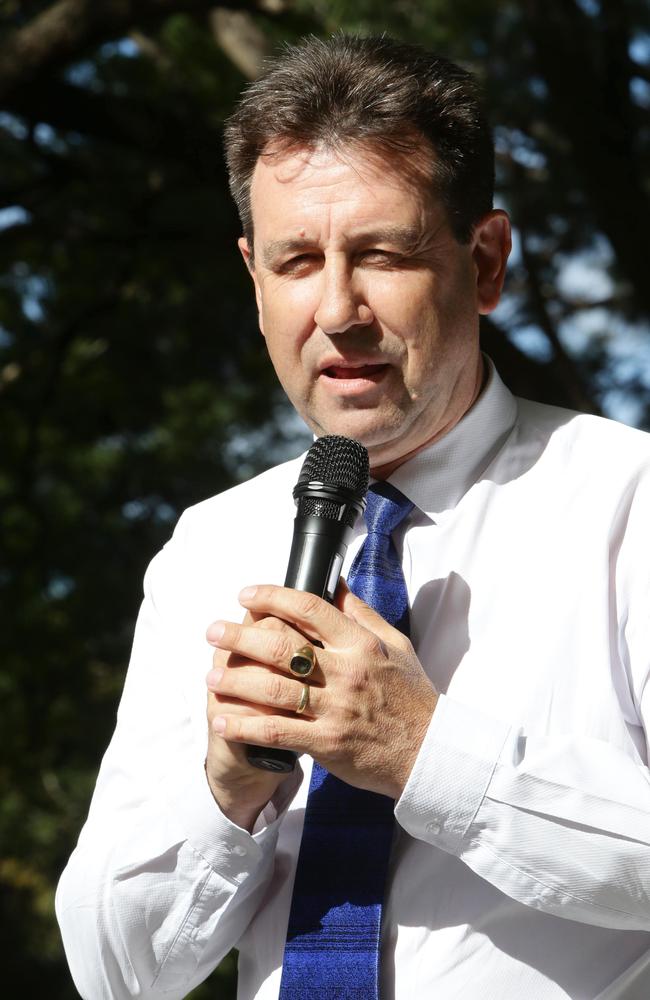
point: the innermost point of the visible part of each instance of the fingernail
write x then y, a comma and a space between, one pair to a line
219, 725
247, 594
215, 631
214, 677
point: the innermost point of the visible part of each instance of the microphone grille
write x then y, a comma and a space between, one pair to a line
337, 461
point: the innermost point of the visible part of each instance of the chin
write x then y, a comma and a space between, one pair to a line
379, 427
376, 438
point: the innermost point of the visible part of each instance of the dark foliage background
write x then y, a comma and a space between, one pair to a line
132, 379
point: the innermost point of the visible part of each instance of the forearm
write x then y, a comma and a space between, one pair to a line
558, 823
161, 883
150, 903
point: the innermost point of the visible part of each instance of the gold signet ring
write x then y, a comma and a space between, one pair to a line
304, 700
303, 661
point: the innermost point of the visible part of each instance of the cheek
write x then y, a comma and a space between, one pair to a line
287, 343
285, 300
411, 311
284, 354
287, 318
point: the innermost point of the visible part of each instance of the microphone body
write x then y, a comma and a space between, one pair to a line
330, 495
317, 553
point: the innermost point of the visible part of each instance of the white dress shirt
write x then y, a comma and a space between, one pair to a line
521, 864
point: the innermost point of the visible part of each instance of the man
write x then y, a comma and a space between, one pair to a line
510, 729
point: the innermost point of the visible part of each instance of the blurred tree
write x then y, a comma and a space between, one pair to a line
132, 378
133, 381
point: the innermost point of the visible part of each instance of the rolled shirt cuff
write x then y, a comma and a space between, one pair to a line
451, 774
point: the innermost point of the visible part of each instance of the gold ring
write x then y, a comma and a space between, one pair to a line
304, 700
303, 661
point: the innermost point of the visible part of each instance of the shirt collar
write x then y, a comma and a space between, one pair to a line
440, 475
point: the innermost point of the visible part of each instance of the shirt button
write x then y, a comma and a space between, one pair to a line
433, 827
239, 851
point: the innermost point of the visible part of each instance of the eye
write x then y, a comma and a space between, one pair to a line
301, 262
376, 256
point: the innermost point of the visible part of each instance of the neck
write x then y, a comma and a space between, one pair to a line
385, 470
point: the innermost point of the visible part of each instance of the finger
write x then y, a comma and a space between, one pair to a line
259, 687
262, 620
268, 731
218, 704
367, 617
310, 614
271, 646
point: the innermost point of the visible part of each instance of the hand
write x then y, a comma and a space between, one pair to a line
240, 789
370, 702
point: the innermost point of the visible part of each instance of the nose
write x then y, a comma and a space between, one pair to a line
342, 304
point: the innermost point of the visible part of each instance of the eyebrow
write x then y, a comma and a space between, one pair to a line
277, 248
406, 238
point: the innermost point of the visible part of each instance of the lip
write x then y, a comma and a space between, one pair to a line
352, 364
346, 377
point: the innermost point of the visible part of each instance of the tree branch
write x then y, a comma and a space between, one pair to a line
524, 376
243, 41
566, 368
540, 380
68, 28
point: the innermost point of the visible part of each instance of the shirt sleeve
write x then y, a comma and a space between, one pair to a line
161, 884
560, 824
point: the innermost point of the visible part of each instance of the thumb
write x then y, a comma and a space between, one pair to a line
360, 612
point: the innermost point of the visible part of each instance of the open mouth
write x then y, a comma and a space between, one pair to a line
358, 372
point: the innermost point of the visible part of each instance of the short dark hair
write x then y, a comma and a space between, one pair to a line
347, 90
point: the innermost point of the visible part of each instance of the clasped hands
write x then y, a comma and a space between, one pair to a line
370, 702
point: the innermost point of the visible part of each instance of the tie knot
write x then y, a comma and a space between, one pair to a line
386, 507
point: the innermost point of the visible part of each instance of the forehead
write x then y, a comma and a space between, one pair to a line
354, 184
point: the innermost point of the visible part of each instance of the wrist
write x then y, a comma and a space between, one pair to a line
418, 731
238, 803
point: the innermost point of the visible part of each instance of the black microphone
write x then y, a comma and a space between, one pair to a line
330, 494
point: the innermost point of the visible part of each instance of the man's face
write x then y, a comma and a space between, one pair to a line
368, 303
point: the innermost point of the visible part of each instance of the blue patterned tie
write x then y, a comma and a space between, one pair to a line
332, 949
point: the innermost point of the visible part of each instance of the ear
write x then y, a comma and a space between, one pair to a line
491, 244
245, 251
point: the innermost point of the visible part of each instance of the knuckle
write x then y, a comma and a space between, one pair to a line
264, 594
271, 731
375, 646
333, 743
232, 633
233, 728
357, 679
309, 605
279, 649
404, 644
274, 689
